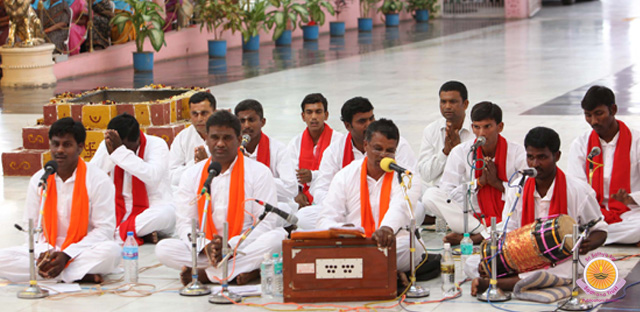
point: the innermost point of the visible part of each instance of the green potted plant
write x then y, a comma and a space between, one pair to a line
391, 10
365, 23
421, 9
311, 31
252, 20
284, 19
147, 23
337, 28
218, 16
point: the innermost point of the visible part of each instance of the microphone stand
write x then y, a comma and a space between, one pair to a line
195, 288
493, 293
415, 291
225, 296
573, 303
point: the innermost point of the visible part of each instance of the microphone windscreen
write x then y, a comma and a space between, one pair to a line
385, 164
481, 140
51, 164
216, 166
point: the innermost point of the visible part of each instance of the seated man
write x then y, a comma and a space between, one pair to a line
138, 165
240, 179
551, 193
188, 147
615, 172
501, 158
268, 151
439, 138
306, 150
362, 194
70, 248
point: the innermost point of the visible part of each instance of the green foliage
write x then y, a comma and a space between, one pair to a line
365, 7
147, 23
253, 19
286, 14
413, 5
391, 6
218, 16
316, 13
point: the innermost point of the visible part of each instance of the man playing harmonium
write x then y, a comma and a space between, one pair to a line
549, 194
362, 194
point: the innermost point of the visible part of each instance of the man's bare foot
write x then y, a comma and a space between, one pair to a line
453, 238
92, 278
244, 278
151, 238
479, 285
186, 278
403, 281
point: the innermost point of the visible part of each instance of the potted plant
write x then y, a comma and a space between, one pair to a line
420, 9
336, 28
218, 16
391, 10
253, 19
284, 19
311, 31
147, 23
365, 23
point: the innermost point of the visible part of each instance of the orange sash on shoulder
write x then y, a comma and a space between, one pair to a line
366, 216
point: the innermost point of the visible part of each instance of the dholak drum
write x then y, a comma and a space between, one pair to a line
531, 247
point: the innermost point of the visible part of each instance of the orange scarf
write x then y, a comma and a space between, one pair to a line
79, 219
620, 173
310, 158
235, 210
348, 152
264, 152
139, 194
366, 216
490, 198
558, 199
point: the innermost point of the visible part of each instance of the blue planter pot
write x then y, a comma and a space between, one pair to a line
143, 61
421, 16
285, 39
365, 24
310, 33
217, 48
252, 45
336, 29
392, 20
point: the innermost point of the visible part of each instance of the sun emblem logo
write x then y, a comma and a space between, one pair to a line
601, 274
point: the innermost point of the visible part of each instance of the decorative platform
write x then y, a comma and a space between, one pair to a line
30, 67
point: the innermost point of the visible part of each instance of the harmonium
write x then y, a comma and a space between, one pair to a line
334, 267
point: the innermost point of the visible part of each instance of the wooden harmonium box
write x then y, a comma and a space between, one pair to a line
338, 269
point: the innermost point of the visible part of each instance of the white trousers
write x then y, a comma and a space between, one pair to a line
626, 231
157, 218
176, 253
403, 254
308, 216
101, 258
435, 202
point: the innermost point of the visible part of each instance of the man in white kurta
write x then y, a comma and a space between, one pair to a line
96, 253
266, 238
152, 170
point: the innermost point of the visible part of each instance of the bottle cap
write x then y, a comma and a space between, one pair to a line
447, 245
276, 255
466, 235
130, 233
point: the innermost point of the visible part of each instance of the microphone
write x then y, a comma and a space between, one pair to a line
245, 140
214, 170
479, 142
292, 219
590, 224
389, 164
49, 168
532, 172
595, 151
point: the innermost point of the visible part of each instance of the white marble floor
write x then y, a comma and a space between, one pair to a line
518, 65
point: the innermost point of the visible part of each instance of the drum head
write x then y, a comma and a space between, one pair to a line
565, 227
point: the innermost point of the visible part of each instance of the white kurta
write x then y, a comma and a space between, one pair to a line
96, 253
457, 172
342, 206
265, 238
181, 153
627, 231
152, 171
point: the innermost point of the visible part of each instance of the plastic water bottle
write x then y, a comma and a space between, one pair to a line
466, 249
441, 226
277, 275
448, 272
130, 259
266, 276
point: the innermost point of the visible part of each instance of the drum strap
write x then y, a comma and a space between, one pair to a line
558, 199
138, 192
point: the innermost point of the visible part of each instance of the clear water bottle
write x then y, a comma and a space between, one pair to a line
466, 250
130, 259
277, 275
266, 276
448, 272
441, 226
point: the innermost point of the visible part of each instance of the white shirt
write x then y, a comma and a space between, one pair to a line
457, 171
181, 153
152, 170
102, 217
258, 184
294, 151
342, 204
431, 159
282, 169
332, 163
578, 157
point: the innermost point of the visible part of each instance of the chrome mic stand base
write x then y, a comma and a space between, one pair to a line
33, 292
225, 297
573, 304
416, 291
195, 288
494, 294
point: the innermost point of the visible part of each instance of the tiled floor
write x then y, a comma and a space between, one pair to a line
535, 69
